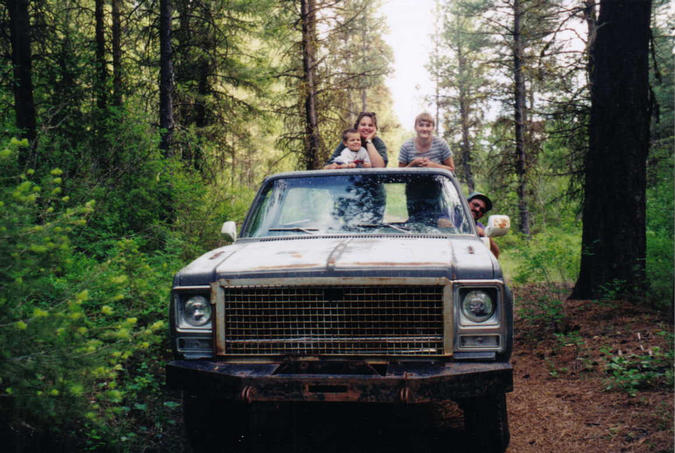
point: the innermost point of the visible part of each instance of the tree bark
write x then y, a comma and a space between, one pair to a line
464, 114
365, 51
166, 122
24, 104
101, 72
117, 53
308, 16
614, 211
520, 119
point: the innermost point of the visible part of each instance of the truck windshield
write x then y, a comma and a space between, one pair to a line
381, 204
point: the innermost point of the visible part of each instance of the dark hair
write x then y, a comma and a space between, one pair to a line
371, 115
350, 130
480, 196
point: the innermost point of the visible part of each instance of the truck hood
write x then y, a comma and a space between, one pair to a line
464, 257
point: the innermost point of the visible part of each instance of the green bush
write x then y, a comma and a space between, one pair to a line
551, 256
660, 245
632, 372
80, 337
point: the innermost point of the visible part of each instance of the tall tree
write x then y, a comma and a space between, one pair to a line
101, 65
520, 116
350, 62
24, 104
166, 77
613, 239
460, 67
309, 83
117, 52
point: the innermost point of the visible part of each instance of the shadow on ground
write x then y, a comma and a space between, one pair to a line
333, 428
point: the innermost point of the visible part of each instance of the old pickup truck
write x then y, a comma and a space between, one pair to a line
350, 286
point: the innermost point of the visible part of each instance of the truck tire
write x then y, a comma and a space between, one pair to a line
486, 422
213, 424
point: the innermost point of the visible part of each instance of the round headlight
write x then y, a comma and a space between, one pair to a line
197, 311
478, 306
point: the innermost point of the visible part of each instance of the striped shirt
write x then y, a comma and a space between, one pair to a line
439, 151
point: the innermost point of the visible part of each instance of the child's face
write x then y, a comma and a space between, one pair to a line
353, 142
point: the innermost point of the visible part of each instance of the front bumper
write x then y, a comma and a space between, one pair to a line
395, 382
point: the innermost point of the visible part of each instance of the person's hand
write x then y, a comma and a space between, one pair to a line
350, 165
371, 135
419, 162
480, 231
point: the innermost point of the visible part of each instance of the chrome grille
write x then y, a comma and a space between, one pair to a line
338, 320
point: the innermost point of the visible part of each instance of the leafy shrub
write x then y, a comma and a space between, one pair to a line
541, 317
80, 337
551, 257
633, 372
660, 243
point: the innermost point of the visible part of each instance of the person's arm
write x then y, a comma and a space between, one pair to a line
493, 245
365, 159
377, 151
448, 164
418, 162
335, 155
403, 155
493, 248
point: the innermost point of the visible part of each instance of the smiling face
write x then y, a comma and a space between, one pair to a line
424, 128
366, 126
353, 141
478, 208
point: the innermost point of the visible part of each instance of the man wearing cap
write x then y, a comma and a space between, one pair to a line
479, 204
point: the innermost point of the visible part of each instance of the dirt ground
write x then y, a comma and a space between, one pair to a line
560, 402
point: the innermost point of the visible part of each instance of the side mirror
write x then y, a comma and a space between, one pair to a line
498, 225
229, 230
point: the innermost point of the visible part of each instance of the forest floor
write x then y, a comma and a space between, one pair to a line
561, 400
589, 376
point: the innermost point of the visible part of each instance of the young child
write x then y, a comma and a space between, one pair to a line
354, 155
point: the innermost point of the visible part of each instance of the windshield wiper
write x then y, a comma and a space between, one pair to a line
388, 225
304, 230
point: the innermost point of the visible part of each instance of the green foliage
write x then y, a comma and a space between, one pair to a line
75, 331
541, 317
660, 229
551, 256
200, 214
633, 372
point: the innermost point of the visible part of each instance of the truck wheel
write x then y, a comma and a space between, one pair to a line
486, 422
213, 424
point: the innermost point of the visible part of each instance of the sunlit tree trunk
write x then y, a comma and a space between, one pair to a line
464, 114
364, 56
520, 119
308, 16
